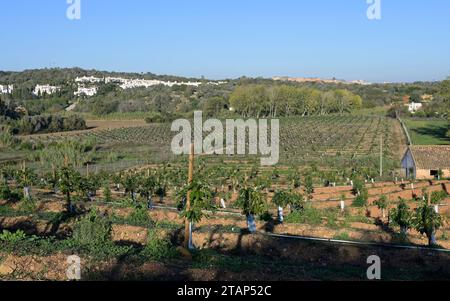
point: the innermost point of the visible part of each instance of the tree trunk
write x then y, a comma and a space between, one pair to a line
404, 230
251, 223
191, 244
27, 193
432, 241
149, 202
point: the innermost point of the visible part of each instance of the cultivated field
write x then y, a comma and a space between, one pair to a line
328, 175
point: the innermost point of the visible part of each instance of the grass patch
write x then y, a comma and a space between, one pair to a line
428, 131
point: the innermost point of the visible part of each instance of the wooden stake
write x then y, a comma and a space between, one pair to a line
188, 197
381, 157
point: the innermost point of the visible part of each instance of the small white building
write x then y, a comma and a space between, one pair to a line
45, 89
86, 91
88, 79
6, 89
413, 107
427, 161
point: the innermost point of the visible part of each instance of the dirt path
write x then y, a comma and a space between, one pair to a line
399, 136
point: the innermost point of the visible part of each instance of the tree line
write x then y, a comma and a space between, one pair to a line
285, 100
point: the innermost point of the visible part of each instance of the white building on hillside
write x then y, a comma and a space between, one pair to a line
414, 107
88, 79
6, 89
45, 89
86, 91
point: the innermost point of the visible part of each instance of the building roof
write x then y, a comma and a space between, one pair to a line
431, 157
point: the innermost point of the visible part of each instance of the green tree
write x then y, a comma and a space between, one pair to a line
107, 192
382, 204
252, 203
25, 179
131, 184
201, 199
147, 187
427, 221
402, 217
69, 180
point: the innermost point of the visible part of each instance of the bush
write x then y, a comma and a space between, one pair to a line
46, 124
158, 247
28, 206
161, 118
360, 202
140, 217
12, 238
92, 230
5, 192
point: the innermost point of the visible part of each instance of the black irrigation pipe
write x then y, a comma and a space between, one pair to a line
348, 242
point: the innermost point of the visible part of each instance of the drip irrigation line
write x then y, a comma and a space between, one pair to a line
348, 242
336, 241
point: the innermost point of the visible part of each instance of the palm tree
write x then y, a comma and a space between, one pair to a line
427, 221
402, 216
382, 204
69, 180
252, 203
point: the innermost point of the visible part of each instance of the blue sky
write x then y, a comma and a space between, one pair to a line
231, 38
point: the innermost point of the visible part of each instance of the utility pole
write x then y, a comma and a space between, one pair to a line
187, 226
381, 157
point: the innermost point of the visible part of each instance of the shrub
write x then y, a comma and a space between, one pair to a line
28, 206
361, 200
92, 230
140, 217
107, 193
5, 192
158, 247
12, 238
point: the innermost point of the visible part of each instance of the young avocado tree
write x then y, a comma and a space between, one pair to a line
382, 204
252, 203
87, 187
427, 221
358, 186
107, 197
282, 199
201, 199
147, 187
309, 186
117, 179
130, 183
294, 179
161, 187
69, 180
52, 180
25, 179
5, 191
402, 217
